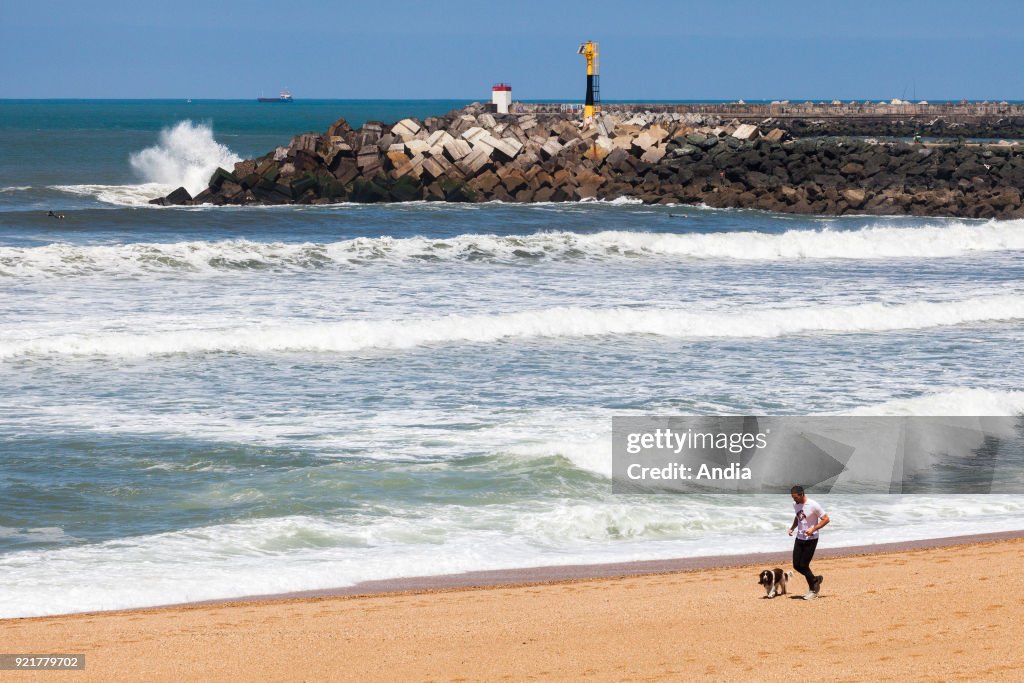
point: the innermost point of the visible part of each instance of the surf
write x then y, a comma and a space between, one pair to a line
185, 155
562, 322
957, 239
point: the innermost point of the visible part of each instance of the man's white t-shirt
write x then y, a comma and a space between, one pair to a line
808, 514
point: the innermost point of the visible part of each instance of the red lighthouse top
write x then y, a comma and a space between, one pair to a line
502, 87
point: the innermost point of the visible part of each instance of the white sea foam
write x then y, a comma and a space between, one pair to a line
877, 242
952, 402
296, 553
552, 323
15, 188
186, 155
581, 437
956, 239
123, 195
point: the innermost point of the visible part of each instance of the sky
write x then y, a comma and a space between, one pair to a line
725, 50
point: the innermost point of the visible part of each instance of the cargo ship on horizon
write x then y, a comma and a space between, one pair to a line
284, 96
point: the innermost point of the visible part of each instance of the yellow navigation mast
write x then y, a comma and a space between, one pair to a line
592, 103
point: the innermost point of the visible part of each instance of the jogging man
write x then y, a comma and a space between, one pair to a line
810, 518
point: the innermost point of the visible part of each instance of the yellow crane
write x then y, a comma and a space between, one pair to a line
592, 103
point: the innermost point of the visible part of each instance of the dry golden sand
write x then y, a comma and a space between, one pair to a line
952, 613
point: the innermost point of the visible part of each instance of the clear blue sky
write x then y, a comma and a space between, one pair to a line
728, 49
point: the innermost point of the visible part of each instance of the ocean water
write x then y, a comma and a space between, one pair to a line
212, 402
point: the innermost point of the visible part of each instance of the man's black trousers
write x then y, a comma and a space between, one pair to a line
803, 551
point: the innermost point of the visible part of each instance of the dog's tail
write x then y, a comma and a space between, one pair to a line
788, 575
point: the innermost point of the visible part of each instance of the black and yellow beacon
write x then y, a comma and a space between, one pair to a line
592, 103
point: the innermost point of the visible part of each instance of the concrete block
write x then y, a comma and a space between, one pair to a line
551, 147
397, 158
416, 164
514, 181
475, 133
475, 161
605, 143
306, 142
406, 128
402, 170
653, 155
371, 167
585, 176
775, 135
416, 146
508, 147
746, 131
456, 149
441, 160
485, 182
482, 144
617, 156
596, 153
644, 141
517, 133
487, 121
657, 132
623, 142
432, 168
439, 137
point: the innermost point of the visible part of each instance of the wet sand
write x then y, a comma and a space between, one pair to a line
927, 611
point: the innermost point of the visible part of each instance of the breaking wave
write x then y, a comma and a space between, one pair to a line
951, 402
186, 155
552, 323
958, 239
122, 195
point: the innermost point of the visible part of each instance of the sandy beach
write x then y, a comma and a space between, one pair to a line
905, 614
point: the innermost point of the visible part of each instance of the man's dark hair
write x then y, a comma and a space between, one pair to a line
797, 489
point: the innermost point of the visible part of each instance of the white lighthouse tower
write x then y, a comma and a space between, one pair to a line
501, 97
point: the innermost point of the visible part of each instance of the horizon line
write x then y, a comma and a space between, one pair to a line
638, 100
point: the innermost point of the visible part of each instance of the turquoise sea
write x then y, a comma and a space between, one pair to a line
208, 402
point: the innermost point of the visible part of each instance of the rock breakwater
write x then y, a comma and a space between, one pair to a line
472, 155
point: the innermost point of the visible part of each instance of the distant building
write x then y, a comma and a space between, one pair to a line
501, 97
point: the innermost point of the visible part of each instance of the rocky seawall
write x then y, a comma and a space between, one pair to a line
472, 155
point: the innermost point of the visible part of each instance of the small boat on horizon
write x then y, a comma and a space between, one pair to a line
284, 96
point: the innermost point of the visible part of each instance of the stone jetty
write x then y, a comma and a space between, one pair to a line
658, 157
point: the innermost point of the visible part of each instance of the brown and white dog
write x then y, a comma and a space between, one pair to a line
774, 581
